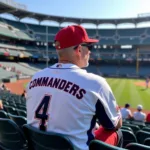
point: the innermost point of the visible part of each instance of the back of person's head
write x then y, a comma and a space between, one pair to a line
73, 44
139, 107
127, 105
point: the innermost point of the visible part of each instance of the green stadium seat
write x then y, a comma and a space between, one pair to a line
21, 113
147, 124
22, 108
137, 146
147, 141
146, 129
142, 135
135, 128
40, 140
11, 137
11, 110
126, 128
99, 145
3, 114
128, 137
139, 123
19, 120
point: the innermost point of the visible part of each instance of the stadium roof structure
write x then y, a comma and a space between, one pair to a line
21, 14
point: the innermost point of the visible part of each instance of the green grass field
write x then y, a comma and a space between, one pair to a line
126, 91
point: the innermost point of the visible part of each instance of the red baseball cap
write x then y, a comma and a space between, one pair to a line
72, 36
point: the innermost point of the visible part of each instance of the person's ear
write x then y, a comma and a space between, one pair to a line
78, 50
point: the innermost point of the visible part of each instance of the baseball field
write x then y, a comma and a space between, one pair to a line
130, 91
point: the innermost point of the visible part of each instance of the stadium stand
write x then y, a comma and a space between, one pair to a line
23, 46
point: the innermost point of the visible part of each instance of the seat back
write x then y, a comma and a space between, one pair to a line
146, 129
135, 128
19, 120
3, 114
126, 128
22, 113
147, 141
11, 110
128, 137
11, 136
139, 123
99, 145
137, 146
41, 140
142, 135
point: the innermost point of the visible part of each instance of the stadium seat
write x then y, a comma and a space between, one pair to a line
126, 128
19, 120
11, 137
40, 140
11, 110
5, 103
147, 124
147, 141
135, 128
142, 135
128, 137
99, 145
146, 129
137, 146
139, 123
21, 113
22, 108
3, 114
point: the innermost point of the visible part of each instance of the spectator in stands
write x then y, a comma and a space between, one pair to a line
126, 112
148, 117
23, 94
139, 115
3, 87
72, 97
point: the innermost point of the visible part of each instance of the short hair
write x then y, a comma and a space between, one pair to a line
127, 105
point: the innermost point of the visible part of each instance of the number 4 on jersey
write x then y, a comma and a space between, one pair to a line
41, 111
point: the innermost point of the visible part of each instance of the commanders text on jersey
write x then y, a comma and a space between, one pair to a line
60, 84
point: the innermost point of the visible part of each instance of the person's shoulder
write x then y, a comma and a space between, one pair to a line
143, 114
95, 77
128, 110
38, 73
122, 109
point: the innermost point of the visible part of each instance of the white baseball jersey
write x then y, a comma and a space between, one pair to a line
139, 116
66, 99
125, 113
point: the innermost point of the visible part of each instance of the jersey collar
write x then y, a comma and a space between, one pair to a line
66, 66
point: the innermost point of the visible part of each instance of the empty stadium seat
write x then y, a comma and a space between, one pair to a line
3, 114
147, 141
11, 137
142, 135
135, 128
21, 113
126, 128
128, 137
139, 123
40, 140
136, 146
99, 145
19, 120
11, 110
146, 129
